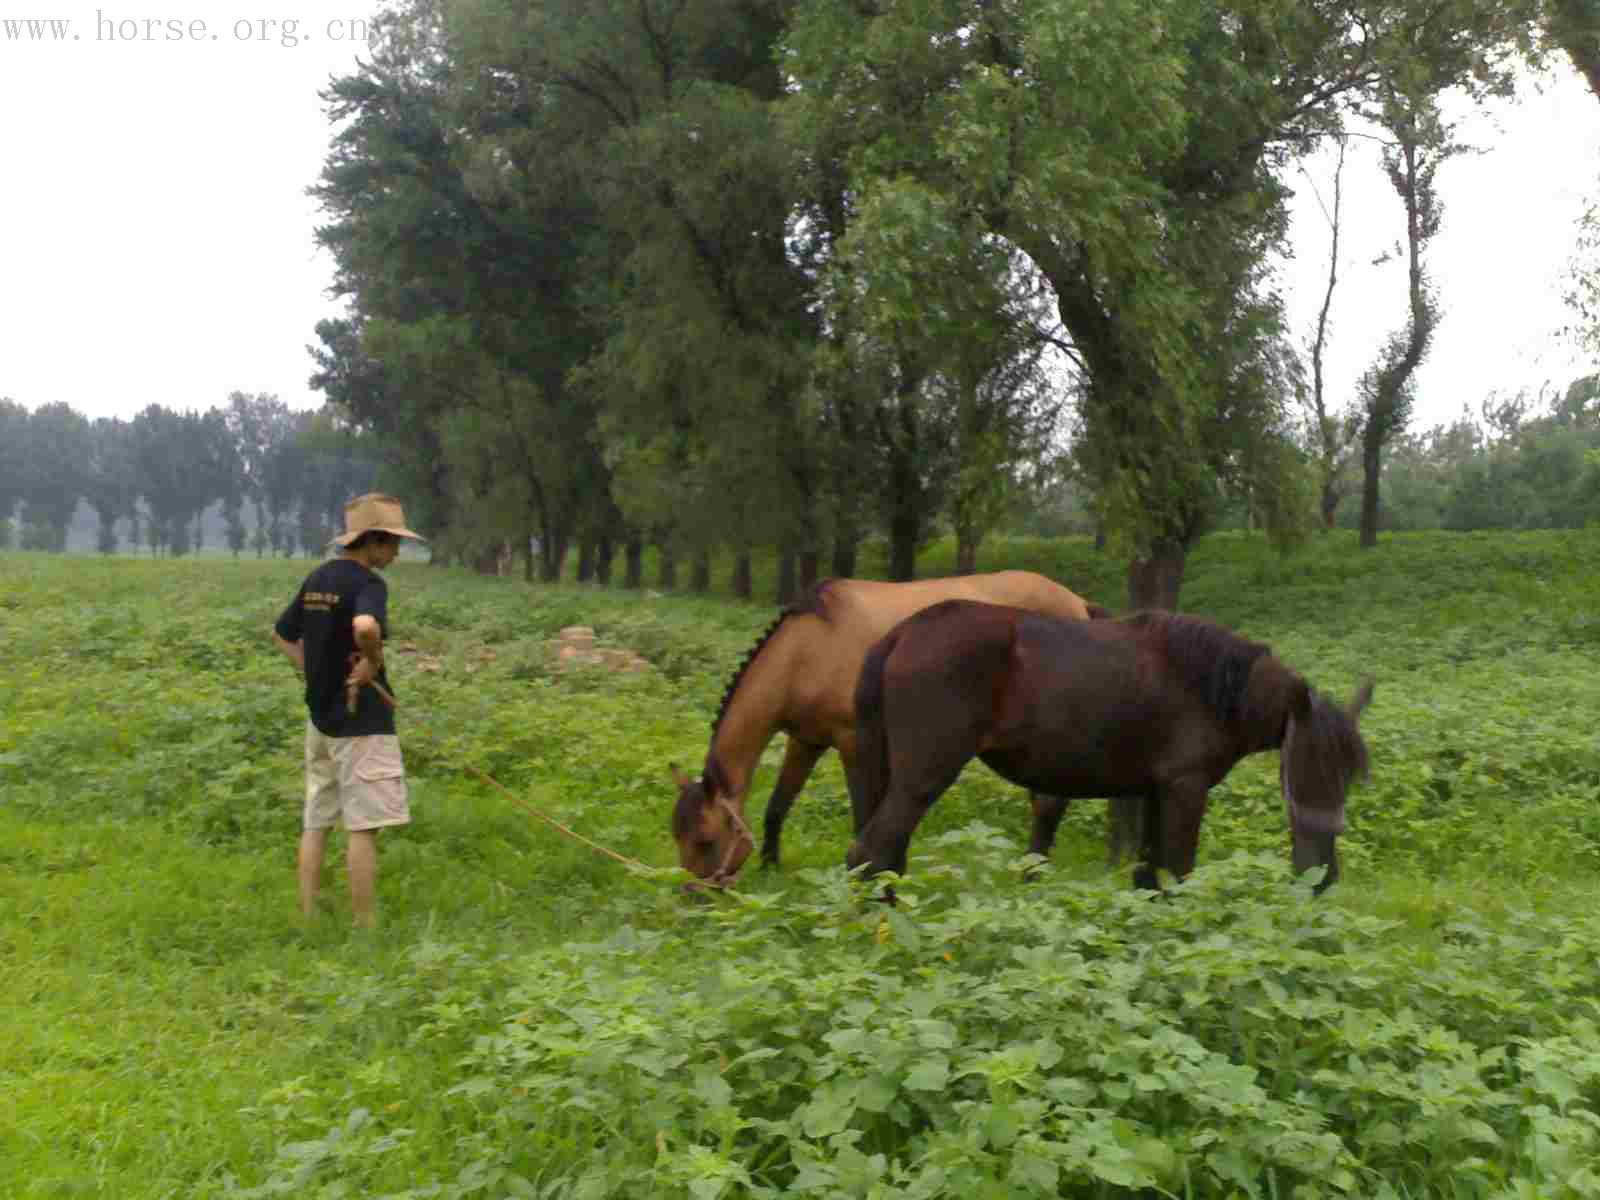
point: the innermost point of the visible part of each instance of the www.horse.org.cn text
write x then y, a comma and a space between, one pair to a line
287, 32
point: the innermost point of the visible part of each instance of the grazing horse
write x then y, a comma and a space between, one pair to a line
1155, 705
800, 678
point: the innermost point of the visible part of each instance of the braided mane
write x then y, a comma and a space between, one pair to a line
813, 602
744, 665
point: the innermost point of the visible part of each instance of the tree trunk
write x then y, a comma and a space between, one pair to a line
604, 554
844, 556
810, 567
966, 551
667, 568
552, 556
633, 575
700, 577
585, 561
1154, 580
741, 574
1371, 460
788, 569
1330, 505
903, 531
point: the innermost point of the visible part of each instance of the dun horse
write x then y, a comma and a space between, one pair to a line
1154, 705
800, 678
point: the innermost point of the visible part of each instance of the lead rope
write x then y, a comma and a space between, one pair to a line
722, 880
631, 863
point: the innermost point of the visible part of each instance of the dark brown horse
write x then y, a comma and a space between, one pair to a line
800, 679
1155, 705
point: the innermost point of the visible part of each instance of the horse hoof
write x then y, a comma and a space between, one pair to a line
1145, 879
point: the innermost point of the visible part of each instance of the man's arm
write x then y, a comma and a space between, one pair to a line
294, 651
369, 641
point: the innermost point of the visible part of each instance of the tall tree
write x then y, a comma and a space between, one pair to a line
177, 466
109, 487
403, 439
256, 425
13, 454
1422, 141
1136, 160
1333, 431
665, 112
1574, 25
434, 166
54, 474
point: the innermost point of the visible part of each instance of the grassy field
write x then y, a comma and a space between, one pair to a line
534, 1020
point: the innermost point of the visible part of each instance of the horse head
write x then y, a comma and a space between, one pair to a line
1323, 753
713, 839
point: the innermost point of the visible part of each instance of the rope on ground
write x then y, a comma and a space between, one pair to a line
633, 864
549, 820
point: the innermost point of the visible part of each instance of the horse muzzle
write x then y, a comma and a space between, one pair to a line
1312, 849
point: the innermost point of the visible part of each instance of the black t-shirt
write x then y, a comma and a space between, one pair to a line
322, 615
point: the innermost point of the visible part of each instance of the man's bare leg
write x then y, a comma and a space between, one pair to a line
312, 844
362, 862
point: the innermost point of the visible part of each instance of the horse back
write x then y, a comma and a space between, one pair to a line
1093, 708
881, 606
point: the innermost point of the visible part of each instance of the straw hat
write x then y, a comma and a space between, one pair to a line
374, 511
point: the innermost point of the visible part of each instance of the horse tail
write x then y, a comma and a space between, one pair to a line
872, 729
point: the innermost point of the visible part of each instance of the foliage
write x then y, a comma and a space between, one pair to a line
1521, 462
168, 467
535, 1020
52, 474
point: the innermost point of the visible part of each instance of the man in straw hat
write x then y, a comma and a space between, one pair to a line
333, 633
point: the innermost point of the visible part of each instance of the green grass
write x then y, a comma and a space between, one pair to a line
532, 1019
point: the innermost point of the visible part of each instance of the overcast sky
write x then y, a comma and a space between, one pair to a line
159, 242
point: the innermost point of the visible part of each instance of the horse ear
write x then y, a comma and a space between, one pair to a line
1361, 699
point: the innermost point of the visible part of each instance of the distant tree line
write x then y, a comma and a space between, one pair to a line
714, 275
1518, 462
150, 478
720, 275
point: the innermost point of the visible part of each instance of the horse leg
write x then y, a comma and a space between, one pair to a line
1184, 810
1151, 850
860, 803
913, 788
1047, 814
798, 759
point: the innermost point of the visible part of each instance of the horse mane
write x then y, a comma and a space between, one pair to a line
812, 602
1212, 661
1329, 753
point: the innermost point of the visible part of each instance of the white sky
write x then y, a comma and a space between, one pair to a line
158, 242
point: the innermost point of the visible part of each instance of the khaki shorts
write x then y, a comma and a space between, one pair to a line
361, 780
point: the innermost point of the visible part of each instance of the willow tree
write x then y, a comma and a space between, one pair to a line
1422, 142
1133, 151
13, 454
462, 263
1574, 26
659, 113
